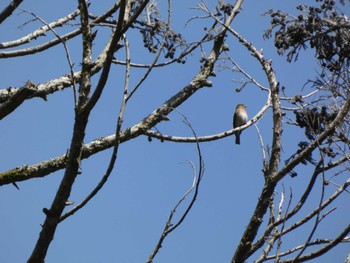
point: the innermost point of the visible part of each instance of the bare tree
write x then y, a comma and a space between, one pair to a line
321, 110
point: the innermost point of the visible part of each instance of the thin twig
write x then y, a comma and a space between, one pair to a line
149, 69
69, 60
317, 219
246, 74
170, 226
263, 153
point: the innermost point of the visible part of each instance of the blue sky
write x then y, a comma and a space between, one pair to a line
124, 221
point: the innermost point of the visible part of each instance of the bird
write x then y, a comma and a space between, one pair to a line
239, 118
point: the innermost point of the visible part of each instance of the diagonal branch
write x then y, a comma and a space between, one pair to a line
54, 42
314, 254
17, 99
73, 162
9, 9
41, 31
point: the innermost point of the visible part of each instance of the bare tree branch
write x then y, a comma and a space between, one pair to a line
73, 162
9, 9
308, 245
69, 60
116, 142
321, 109
41, 31
47, 45
170, 226
324, 249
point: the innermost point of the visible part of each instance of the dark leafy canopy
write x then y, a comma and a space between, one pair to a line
313, 120
323, 27
153, 29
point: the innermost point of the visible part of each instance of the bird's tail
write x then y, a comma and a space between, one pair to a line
238, 138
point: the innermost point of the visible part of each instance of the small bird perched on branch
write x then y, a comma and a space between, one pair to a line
239, 118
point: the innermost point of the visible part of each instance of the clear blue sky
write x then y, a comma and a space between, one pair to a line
125, 220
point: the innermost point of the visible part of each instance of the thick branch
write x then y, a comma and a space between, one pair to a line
17, 99
9, 9
245, 245
279, 221
73, 162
